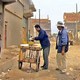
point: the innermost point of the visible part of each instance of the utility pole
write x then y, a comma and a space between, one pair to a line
76, 23
39, 16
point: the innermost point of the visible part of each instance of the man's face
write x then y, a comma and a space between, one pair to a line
59, 27
37, 29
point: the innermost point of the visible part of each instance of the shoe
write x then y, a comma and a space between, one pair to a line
44, 68
63, 72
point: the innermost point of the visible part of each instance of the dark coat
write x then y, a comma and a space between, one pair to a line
43, 38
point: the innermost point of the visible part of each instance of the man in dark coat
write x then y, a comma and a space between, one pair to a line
45, 44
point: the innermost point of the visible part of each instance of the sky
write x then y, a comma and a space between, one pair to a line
55, 10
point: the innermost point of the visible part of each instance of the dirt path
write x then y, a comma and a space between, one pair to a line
73, 68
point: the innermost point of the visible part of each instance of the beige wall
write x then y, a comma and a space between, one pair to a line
13, 16
14, 26
16, 8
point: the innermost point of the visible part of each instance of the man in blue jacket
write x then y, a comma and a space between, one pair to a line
45, 44
62, 47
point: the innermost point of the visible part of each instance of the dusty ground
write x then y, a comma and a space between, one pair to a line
8, 53
73, 68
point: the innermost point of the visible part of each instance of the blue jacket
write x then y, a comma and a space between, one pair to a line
62, 40
43, 38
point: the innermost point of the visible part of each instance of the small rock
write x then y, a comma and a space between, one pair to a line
71, 69
67, 73
9, 70
3, 74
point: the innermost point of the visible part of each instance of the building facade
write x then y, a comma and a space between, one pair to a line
16, 17
72, 22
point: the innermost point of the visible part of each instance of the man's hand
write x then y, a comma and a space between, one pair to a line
63, 50
32, 38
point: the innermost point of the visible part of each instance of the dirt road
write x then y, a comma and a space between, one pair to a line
73, 68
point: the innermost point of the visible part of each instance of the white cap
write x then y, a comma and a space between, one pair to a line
59, 23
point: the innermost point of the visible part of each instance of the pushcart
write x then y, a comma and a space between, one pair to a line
29, 54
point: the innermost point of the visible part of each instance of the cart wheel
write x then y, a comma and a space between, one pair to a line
37, 63
19, 65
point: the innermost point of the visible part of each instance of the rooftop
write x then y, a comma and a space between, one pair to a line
72, 17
